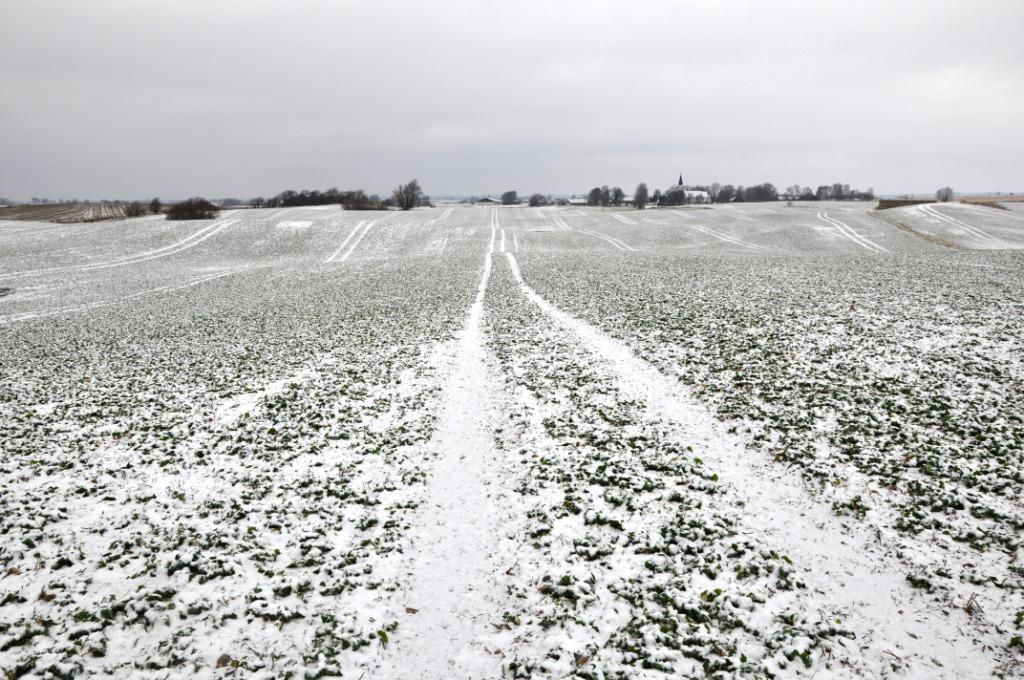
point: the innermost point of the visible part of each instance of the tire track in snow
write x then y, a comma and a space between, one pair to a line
351, 249
192, 240
717, 234
26, 316
614, 241
453, 585
359, 238
838, 563
985, 236
345, 242
624, 219
191, 244
560, 223
847, 232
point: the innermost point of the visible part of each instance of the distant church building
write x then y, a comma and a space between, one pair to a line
678, 194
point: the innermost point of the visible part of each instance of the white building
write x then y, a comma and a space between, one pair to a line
678, 194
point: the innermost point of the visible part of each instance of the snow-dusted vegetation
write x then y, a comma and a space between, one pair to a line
738, 441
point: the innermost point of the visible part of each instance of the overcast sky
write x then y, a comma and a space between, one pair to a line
137, 99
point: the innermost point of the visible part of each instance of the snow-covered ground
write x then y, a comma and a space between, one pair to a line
466, 442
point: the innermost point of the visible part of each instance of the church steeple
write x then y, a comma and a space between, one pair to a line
680, 180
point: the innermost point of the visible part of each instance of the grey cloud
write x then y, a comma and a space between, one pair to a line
242, 98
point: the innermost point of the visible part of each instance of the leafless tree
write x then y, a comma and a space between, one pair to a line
640, 196
407, 196
945, 194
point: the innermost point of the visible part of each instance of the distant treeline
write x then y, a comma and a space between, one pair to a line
725, 193
356, 199
728, 193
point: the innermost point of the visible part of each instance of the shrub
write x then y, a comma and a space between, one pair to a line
134, 209
358, 200
193, 209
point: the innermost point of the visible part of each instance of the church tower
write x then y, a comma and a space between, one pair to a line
680, 179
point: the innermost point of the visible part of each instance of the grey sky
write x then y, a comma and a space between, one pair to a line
134, 99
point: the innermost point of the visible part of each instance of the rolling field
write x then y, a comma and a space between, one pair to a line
743, 441
64, 213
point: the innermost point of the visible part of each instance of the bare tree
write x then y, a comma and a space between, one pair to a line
618, 195
407, 196
155, 206
640, 196
510, 197
594, 197
537, 200
606, 196
134, 209
945, 194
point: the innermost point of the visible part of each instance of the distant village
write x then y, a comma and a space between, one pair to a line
681, 193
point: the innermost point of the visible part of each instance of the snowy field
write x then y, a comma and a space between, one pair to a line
742, 441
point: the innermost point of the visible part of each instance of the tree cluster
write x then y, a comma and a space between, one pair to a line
138, 209
760, 192
945, 194
294, 199
358, 200
827, 192
135, 209
193, 209
767, 192
604, 197
674, 196
406, 197
510, 198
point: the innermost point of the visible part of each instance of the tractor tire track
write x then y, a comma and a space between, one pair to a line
842, 564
